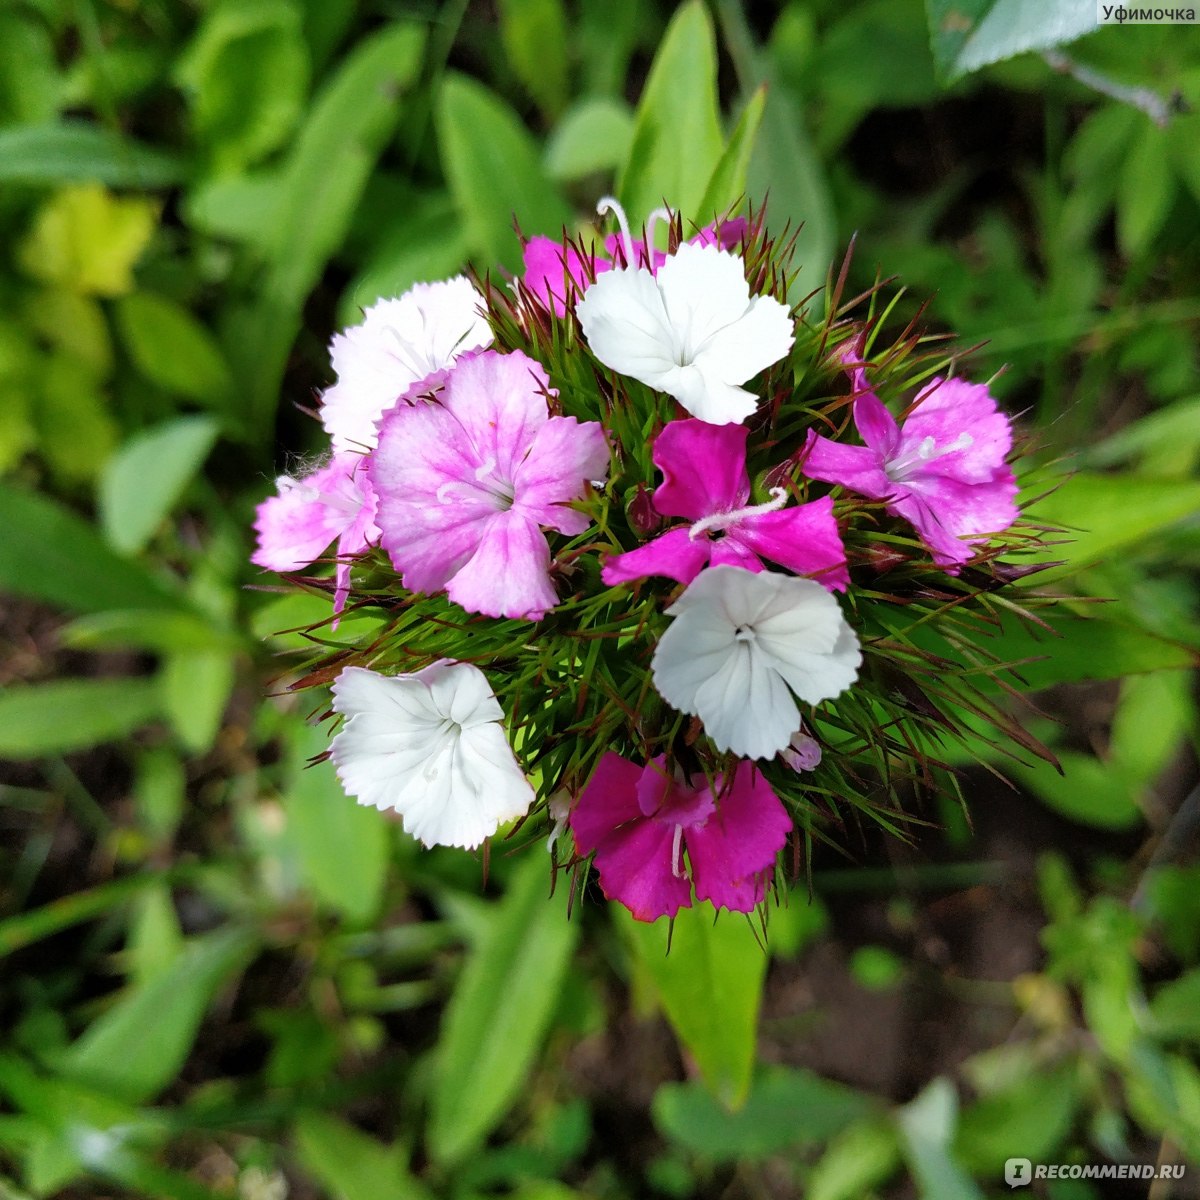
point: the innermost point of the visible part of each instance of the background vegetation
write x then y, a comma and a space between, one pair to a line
216, 977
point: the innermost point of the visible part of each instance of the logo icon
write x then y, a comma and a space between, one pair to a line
1018, 1172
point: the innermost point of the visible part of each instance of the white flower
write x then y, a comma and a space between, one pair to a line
399, 343
691, 330
431, 746
740, 640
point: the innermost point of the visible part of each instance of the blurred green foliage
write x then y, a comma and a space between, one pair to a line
220, 979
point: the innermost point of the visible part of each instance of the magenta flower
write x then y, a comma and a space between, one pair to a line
467, 483
705, 481
943, 470
639, 822
332, 503
556, 273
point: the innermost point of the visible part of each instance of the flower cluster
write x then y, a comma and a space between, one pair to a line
644, 549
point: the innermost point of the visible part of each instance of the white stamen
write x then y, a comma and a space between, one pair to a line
899, 469
609, 204
676, 853
659, 214
779, 497
484, 471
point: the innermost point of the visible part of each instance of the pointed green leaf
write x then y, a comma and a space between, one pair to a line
145, 480
1105, 514
72, 714
500, 1011
495, 172
710, 987
677, 139
137, 1047
79, 152
49, 553
351, 1165
342, 846
785, 1110
728, 183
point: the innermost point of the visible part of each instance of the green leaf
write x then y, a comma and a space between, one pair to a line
51, 554
1088, 791
593, 136
677, 139
72, 714
534, 33
710, 986
728, 183
142, 629
784, 1110
1176, 1009
79, 152
500, 1011
1029, 1119
1146, 191
351, 1165
76, 430
342, 846
196, 685
136, 1048
172, 349
145, 480
1106, 514
495, 173
30, 87
968, 34
927, 1125
246, 73
785, 170
855, 1162
349, 123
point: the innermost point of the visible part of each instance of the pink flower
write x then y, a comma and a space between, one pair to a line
467, 483
332, 503
639, 822
557, 274
705, 481
943, 471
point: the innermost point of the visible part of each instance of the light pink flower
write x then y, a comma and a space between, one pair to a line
943, 470
705, 482
333, 503
639, 822
467, 483
400, 342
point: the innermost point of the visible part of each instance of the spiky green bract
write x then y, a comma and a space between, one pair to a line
578, 683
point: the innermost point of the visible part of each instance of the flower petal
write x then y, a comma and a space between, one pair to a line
673, 554
399, 342
625, 323
499, 400
296, 527
401, 748
858, 468
509, 573
635, 869
703, 466
608, 802
555, 273
563, 455
876, 425
805, 539
732, 852
949, 408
